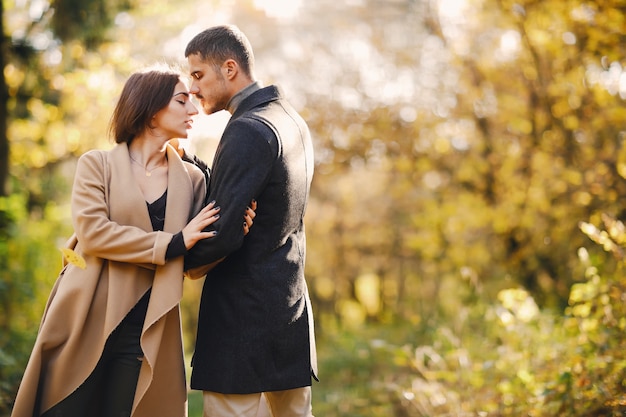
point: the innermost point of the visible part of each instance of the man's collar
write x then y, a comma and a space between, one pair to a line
236, 100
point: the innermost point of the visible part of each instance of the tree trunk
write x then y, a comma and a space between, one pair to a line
4, 98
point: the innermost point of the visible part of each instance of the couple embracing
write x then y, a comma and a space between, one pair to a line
145, 213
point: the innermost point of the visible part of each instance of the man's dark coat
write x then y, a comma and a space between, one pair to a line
255, 328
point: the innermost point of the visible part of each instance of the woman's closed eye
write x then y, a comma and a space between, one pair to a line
181, 97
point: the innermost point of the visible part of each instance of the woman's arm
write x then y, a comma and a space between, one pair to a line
101, 237
248, 220
96, 233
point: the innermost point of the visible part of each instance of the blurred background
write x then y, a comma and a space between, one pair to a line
465, 244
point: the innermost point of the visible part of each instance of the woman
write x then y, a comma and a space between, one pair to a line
110, 340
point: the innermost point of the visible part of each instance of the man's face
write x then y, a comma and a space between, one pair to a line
208, 85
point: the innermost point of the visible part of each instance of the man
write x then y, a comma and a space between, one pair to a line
255, 327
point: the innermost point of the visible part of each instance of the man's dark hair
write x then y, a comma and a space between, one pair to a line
220, 43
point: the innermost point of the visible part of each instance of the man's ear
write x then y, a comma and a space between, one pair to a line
230, 69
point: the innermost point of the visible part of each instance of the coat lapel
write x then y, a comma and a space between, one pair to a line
130, 207
179, 193
167, 287
167, 292
126, 205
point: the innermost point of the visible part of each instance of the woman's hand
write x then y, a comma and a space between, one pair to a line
193, 232
248, 217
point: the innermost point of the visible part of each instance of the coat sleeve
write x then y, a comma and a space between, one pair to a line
242, 166
199, 180
96, 233
201, 165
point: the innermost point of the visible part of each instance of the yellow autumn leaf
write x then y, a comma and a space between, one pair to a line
74, 258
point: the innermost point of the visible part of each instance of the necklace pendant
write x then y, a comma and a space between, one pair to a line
148, 174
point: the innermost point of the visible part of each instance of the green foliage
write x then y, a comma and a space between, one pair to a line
507, 358
29, 263
354, 371
512, 135
85, 20
13, 356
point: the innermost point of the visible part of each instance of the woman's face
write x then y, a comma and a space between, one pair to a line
175, 119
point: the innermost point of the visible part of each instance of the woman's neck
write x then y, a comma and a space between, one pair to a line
149, 166
148, 152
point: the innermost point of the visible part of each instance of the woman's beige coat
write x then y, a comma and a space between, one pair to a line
124, 258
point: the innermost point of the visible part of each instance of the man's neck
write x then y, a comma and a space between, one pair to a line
241, 95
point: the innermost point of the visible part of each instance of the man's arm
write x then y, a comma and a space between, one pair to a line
240, 171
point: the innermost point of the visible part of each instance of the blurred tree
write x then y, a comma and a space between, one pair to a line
46, 42
4, 97
543, 131
43, 47
456, 144
85, 21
